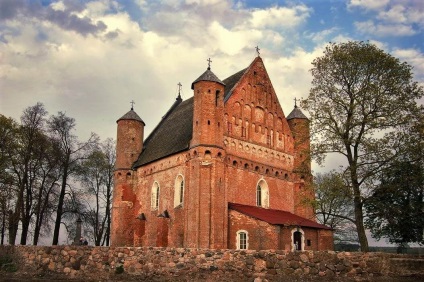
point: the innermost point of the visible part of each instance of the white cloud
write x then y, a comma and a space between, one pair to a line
371, 28
291, 77
413, 57
392, 17
280, 17
403, 14
395, 14
323, 35
204, 2
368, 4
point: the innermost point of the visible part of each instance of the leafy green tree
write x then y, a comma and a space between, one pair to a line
395, 209
360, 99
334, 205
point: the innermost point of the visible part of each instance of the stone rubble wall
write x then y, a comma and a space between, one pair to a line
107, 263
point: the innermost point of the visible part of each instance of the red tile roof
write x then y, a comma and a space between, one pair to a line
277, 217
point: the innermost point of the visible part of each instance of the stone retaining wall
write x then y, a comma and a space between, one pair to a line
178, 264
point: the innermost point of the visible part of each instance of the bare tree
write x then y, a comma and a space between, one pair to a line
24, 163
97, 177
8, 145
61, 128
47, 188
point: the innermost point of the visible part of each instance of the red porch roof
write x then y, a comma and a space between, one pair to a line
276, 217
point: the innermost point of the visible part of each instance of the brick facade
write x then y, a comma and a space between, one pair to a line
238, 142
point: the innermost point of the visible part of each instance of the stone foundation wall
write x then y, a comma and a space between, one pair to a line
111, 263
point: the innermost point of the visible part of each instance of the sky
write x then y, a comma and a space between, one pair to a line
90, 59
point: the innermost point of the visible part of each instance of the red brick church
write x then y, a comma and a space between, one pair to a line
224, 169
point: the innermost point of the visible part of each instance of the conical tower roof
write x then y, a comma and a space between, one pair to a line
131, 115
296, 113
208, 75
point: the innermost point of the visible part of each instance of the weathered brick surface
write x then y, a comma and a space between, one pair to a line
235, 145
102, 264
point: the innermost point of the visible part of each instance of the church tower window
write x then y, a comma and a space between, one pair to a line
262, 194
155, 196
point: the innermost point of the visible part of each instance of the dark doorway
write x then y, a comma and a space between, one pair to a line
297, 240
162, 233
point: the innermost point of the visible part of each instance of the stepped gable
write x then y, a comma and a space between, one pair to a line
276, 217
171, 135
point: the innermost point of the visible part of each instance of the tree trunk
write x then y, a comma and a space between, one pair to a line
107, 235
14, 217
59, 211
13, 226
24, 233
357, 199
3, 223
38, 220
26, 215
359, 222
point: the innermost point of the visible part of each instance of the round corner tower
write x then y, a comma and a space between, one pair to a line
129, 144
299, 126
205, 222
208, 110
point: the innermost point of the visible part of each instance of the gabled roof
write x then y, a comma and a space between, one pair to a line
276, 217
131, 115
208, 75
231, 81
296, 113
171, 135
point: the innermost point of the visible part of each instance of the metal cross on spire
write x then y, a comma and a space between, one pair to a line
209, 63
179, 90
179, 87
257, 50
295, 102
132, 105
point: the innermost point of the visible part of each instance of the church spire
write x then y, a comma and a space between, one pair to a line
208, 75
179, 91
209, 63
257, 51
296, 113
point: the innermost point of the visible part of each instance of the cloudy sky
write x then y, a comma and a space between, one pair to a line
91, 58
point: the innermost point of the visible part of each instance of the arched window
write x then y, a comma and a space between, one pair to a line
262, 194
179, 191
155, 196
242, 240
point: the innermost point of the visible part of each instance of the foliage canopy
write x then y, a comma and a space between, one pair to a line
361, 103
